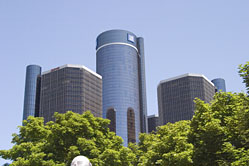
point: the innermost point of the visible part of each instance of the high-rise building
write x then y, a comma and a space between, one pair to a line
32, 91
220, 84
70, 88
176, 95
153, 122
120, 62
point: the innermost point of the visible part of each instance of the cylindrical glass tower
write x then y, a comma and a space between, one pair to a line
120, 62
220, 84
32, 88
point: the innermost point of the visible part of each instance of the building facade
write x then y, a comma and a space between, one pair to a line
220, 84
120, 62
32, 91
153, 122
176, 95
70, 88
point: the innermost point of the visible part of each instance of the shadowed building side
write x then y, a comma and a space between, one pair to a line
153, 122
176, 95
70, 88
220, 84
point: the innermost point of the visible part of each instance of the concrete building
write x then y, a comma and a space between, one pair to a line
176, 95
32, 91
70, 88
120, 62
153, 122
220, 84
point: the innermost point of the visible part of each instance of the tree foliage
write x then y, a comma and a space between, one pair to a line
244, 73
220, 130
168, 146
57, 143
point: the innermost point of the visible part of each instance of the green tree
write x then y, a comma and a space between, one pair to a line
167, 147
71, 134
244, 73
220, 131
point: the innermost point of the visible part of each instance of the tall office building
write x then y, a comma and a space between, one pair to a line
120, 62
70, 88
32, 91
153, 122
220, 84
176, 95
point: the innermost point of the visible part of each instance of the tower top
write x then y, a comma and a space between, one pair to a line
116, 37
73, 66
185, 75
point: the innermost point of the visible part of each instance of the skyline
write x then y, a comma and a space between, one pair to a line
209, 38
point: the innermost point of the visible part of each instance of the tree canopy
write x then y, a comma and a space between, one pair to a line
244, 73
58, 142
217, 135
168, 146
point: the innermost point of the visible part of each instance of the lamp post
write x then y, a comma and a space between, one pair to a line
81, 161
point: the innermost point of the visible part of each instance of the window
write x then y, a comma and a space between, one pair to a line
111, 115
131, 125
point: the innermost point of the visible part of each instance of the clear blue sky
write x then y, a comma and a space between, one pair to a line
207, 37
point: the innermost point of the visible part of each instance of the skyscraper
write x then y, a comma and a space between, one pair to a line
220, 84
70, 88
176, 95
32, 91
153, 122
120, 62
